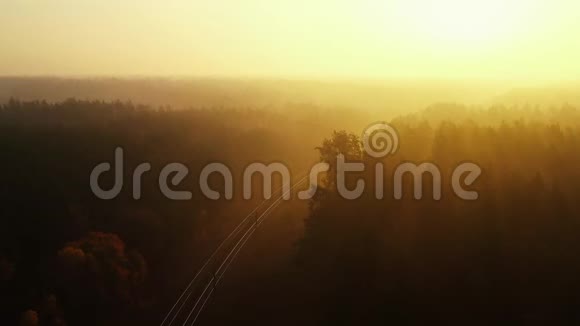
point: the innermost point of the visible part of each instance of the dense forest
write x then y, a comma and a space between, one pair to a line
69, 258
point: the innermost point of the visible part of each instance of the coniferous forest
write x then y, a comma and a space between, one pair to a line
70, 258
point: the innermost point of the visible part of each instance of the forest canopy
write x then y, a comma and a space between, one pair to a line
67, 257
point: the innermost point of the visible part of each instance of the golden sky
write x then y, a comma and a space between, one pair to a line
493, 39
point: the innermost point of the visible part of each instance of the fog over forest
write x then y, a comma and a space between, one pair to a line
289, 162
68, 257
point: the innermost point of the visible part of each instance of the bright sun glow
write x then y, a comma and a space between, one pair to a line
462, 22
523, 39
